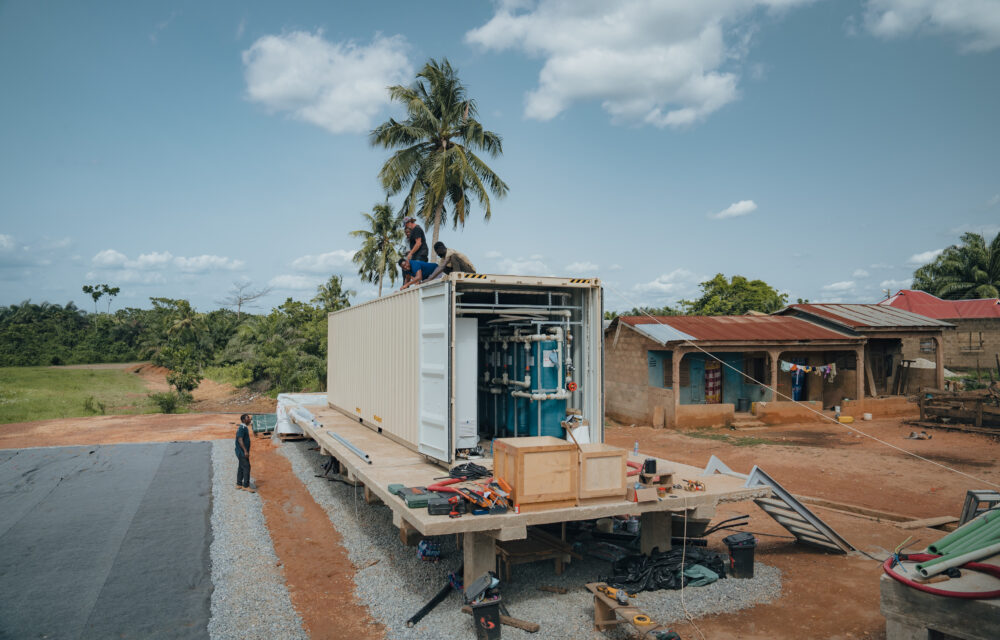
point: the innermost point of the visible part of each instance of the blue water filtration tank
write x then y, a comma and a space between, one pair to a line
517, 408
545, 379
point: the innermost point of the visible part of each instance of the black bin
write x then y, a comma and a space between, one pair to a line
741, 546
486, 617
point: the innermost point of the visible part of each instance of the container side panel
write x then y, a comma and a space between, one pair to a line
435, 379
372, 368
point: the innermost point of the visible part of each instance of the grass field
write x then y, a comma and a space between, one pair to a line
41, 393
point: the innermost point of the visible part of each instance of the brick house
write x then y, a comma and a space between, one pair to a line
974, 343
891, 333
661, 367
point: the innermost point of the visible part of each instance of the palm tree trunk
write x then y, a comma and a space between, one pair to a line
381, 268
437, 227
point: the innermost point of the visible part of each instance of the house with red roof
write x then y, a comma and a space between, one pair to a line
974, 343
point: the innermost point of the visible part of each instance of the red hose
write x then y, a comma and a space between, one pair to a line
989, 569
635, 468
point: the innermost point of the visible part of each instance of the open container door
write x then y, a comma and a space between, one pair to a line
435, 371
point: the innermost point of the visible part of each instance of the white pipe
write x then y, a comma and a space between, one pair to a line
526, 383
958, 561
514, 312
561, 394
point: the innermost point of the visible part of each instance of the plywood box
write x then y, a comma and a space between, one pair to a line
602, 471
542, 471
645, 494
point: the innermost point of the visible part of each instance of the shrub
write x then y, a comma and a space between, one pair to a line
168, 401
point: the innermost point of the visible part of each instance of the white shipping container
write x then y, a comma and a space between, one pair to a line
409, 365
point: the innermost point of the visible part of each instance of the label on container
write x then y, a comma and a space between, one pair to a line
550, 358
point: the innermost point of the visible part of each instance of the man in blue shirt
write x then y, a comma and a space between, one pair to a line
243, 453
415, 271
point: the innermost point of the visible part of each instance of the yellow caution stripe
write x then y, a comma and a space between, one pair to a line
579, 280
476, 276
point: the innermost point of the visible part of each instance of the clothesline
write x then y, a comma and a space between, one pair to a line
828, 371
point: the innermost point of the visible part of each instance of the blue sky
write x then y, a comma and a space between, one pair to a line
172, 149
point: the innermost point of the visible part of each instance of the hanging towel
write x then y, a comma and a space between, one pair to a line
713, 382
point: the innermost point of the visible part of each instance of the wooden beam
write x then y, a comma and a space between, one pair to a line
928, 522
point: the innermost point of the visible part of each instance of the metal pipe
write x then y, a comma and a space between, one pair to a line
347, 443
298, 413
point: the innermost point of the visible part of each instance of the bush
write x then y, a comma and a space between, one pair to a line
94, 406
168, 401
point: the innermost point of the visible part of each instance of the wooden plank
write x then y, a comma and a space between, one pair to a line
480, 555
969, 619
927, 522
868, 374
853, 509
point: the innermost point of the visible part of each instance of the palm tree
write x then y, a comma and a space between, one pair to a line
970, 269
435, 144
378, 253
332, 296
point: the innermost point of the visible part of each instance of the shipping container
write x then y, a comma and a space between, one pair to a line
447, 366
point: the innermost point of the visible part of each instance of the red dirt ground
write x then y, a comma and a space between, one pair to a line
823, 595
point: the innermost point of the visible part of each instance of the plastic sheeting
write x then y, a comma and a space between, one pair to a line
287, 401
662, 570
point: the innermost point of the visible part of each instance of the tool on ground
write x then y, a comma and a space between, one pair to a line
505, 619
428, 551
666, 635
642, 620
453, 579
921, 435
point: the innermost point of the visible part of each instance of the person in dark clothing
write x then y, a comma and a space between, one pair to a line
450, 261
418, 242
243, 453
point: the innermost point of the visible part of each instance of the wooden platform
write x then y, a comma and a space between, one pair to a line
392, 462
911, 614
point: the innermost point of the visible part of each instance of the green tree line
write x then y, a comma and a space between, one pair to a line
282, 350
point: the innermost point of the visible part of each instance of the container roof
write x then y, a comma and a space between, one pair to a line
933, 307
665, 329
869, 316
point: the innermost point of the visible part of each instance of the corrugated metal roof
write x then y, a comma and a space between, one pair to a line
870, 316
933, 307
731, 328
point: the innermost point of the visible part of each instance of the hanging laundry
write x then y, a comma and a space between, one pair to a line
713, 382
828, 371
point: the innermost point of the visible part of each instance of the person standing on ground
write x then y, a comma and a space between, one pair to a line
418, 242
451, 260
243, 453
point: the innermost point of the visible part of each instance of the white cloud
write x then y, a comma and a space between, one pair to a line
741, 208
297, 283
896, 284
7, 242
129, 276
533, 266
582, 267
645, 62
492, 255
845, 285
324, 262
200, 264
340, 86
992, 202
241, 28
975, 22
925, 257
109, 258
615, 267
860, 273
154, 260
677, 281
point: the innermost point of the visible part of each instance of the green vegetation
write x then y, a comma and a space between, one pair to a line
378, 254
435, 161
42, 393
970, 269
284, 350
734, 297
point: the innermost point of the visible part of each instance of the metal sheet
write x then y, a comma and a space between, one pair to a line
870, 316
435, 371
665, 329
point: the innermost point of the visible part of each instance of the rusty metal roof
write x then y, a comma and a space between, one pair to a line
869, 316
933, 307
665, 329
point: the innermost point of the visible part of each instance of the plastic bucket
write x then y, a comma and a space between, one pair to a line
741, 551
486, 616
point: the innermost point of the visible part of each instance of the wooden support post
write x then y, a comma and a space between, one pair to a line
479, 550
774, 359
859, 370
938, 362
655, 530
370, 497
675, 365
870, 376
408, 535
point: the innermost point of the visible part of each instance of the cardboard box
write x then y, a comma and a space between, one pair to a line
645, 494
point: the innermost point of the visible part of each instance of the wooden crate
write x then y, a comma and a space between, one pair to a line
542, 471
602, 471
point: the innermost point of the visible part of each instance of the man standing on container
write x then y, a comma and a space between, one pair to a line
418, 242
451, 261
243, 453
415, 271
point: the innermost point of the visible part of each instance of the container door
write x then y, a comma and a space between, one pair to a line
435, 371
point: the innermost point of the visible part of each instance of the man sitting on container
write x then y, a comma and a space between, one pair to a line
415, 271
451, 261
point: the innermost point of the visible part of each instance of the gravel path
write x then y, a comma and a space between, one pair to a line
394, 583
250, 599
